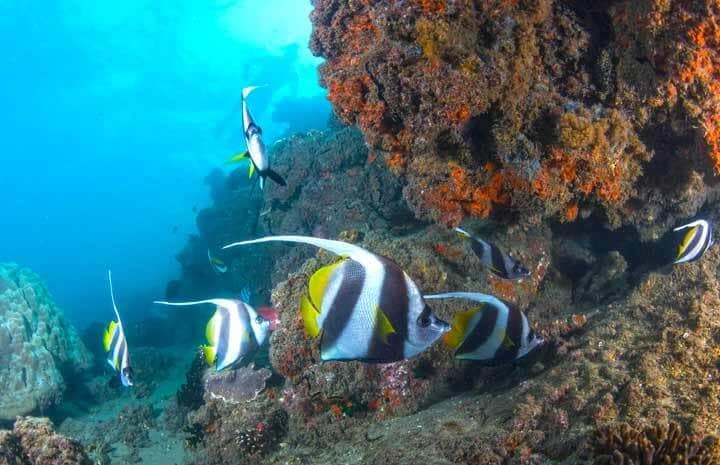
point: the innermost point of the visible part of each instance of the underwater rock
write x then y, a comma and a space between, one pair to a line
34, 441
541, 109
37, 345
607, 278
236, 386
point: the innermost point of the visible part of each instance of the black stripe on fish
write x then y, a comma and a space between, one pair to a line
395, 304
510, 345
224, 335
694, 241
481, 251
253, 129
499, 266
341, 309
481, 332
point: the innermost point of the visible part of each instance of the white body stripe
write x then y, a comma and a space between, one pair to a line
236, 332
360, 328
415, 307
702, 245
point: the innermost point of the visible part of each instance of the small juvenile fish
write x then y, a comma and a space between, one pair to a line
492, 331
234, 332
695, 241
115, 344
218, 265
255, 146
491, 256
364, 306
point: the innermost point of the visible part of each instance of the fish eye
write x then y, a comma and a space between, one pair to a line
424, 319
259, 320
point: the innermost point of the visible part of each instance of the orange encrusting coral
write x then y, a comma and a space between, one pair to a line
703, 69
459, 197
428, 7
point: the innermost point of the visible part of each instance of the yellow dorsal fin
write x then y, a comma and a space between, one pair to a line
383, 326
319, 281
210, 329
686, 241
238, 157
251, 169
309, 317
107, 337
459, 328
209, 353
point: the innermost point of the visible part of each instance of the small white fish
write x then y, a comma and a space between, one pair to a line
694, 243
255, 146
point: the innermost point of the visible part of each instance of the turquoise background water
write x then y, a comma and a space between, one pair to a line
112, 115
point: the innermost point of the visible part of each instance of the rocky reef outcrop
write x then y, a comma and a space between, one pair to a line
38, 347
623, 345
535, 109
33, 441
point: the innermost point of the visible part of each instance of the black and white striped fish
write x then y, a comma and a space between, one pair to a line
493, 331
364, 306
491, 256
696, 238
115, 344
234, 332
255, 146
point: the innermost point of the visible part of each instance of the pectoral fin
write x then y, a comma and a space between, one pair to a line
383, 326
238, 157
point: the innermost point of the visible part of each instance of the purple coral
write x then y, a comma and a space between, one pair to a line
236, 386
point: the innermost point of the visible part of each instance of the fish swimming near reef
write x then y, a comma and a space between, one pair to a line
218, 265
492, 331
234, 332
491, 256
259, 160
696, 238
364, 306
115, 344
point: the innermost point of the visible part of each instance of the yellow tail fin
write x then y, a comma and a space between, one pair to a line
459, 328
210, 354
309, 316
108, 335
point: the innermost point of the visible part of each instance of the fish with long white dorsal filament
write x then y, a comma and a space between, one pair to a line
491, 331
363, 306
115, 344
256, 152
234, 333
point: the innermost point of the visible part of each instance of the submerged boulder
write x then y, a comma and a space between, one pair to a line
37, 345
34, 441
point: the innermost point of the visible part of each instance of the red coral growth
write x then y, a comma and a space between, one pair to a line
436, 7
447, 251
571, 212
458, 197
703, 69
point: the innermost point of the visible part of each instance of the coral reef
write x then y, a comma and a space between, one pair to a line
625, 445
37, 345
539, 109
33, 441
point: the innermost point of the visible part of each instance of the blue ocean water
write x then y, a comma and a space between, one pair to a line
114, 112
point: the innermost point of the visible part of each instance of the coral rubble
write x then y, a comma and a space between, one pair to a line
33, 441
37, 345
